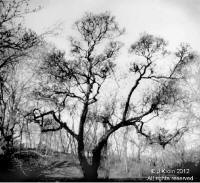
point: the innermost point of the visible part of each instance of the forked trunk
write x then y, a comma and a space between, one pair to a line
90, 171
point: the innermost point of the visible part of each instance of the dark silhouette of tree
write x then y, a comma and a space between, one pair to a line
15, 45
75, 84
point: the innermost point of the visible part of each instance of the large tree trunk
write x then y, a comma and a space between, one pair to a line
90, 171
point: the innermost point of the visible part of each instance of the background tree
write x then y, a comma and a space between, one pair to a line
15, 45
73, 86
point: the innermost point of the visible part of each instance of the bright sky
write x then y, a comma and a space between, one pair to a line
175, 20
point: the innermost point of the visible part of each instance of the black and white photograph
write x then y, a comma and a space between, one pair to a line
99, 91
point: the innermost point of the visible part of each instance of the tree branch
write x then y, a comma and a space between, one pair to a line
62, 125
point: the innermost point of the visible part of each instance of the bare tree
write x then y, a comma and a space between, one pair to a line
75, 85
15, 44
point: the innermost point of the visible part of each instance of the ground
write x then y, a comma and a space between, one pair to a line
33, 166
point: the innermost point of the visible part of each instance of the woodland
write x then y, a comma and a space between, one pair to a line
78, 116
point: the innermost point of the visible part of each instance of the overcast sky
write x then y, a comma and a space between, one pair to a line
175, 20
